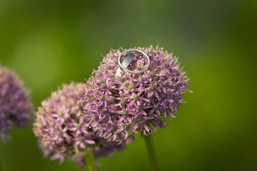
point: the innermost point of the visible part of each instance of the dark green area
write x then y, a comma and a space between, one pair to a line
51, 42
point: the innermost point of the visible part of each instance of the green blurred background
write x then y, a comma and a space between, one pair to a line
51, 42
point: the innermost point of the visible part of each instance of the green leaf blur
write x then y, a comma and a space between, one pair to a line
51, 42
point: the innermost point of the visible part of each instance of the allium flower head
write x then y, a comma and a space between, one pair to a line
62, 128
121, 100
15, 106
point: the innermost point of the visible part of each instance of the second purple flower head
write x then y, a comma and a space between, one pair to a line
63, 130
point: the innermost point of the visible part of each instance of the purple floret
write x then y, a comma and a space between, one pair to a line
120, 106
62, 129
16, 108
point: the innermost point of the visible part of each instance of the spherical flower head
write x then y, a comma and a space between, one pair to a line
15, 105
62, 129
122, 103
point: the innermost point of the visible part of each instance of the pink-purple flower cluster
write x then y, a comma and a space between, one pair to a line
62, 128
15, 106
120, 105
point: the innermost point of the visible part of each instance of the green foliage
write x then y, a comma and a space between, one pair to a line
49, 43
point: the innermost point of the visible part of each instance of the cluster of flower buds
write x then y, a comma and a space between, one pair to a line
62, 128
16, 108
133, 91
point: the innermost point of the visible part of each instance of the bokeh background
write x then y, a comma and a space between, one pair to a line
51, 42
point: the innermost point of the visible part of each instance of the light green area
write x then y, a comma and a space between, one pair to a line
51, 42
90, 160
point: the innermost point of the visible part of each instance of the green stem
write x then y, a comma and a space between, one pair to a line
151, 152
90, 160
1, 169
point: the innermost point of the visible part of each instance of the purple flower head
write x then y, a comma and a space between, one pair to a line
135, 94
62, 128
15, 105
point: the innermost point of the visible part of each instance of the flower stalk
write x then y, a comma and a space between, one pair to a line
90, 160
149, 142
